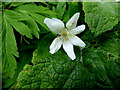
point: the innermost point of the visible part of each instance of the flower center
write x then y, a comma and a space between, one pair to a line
64, 34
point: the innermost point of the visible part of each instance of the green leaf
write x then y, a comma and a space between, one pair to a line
98, 67
111, 47
24, 58
1, 45
15, 4
9, 50
100, 16
14, 21
73, 7
29, 8
33, 27
59, 71
38, 13
12, 14
40, 19
60, 9
20, 27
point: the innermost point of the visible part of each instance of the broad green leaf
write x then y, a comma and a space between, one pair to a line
58, 71
110, 44
111, 47
100, 16
9, 50
99, 65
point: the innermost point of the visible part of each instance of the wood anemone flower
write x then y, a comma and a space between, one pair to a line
66, 35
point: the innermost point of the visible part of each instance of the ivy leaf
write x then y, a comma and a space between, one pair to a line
100, 16
9, 50
58, 71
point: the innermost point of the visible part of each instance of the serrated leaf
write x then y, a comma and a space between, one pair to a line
38, 13
60, 9
14, 21
73, 8
33, 27
40, 19
100, 16
20, 27
24, 58
9, 50
58, 71
12, 14
1, 45
28, 8
111, 47
109, 43
14, 4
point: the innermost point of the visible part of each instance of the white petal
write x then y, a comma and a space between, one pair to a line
68, 47
55, 25
73, 21
78, 29
77, 41
56, 44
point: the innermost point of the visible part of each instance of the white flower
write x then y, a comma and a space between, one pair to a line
66, 36
117, 0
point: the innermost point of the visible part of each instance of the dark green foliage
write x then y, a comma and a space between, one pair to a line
18, 19
100, 16
58, 71
27, 63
